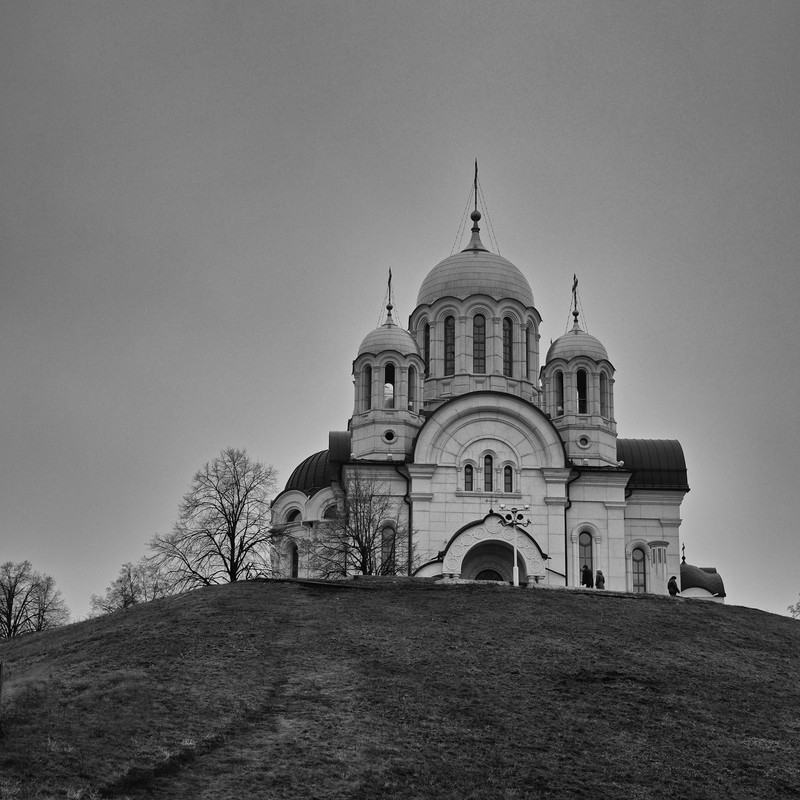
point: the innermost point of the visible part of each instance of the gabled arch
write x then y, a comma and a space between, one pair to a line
462, 421
490, 529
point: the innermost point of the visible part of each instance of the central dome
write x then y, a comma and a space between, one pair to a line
475, 271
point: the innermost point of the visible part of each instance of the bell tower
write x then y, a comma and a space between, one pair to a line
387, 377
578, 394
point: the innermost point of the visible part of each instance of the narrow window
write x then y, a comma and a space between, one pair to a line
508, 479
469, 476
583, 394
508, 347
558, 379
528, 351
294, 560
488, 482
450, 346
412, 389
388, 386
479, 343
426, 346
388, 554
638, 564
585, 551
604, 395
367, 388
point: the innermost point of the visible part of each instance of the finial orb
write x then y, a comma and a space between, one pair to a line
475, 215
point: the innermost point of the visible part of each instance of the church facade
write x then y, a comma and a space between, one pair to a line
494, 463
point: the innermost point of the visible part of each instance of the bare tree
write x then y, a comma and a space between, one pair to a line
364, 536
794, 610
29, 601
223, 530
48, 608
136, 583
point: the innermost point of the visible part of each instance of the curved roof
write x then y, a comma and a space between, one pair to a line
312, 475
706, 578
389, 337
577, 343
475, 271
655, 463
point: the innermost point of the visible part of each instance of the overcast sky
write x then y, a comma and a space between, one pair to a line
200, 202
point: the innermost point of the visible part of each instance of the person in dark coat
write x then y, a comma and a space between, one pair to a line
599, 581
672, 585
586, 577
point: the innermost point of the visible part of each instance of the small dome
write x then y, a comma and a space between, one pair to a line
389, 337
705, 578
577, 343
312, 474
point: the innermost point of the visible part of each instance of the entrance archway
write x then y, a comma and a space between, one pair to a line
492, 557
488, 544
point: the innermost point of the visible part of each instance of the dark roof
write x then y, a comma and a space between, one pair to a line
702, 578
655, 463
312, 474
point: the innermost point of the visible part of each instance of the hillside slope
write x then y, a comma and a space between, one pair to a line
284, 690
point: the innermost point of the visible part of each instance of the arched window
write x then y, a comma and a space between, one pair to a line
558, 380
388, 551
583, 392
412, 389
604, 395
366, 388
426, 348
469, 478
450, 346
294, 516
388, 386
585, 551
488, 474
528, 351
508, 346
479, 343
639, 568
508, 479
294, 560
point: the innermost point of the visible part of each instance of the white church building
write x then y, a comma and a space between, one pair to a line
463, 424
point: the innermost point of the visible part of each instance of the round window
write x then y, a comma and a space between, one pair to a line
389, 436
584, 441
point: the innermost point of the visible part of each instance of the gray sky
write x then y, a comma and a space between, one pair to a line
201, 201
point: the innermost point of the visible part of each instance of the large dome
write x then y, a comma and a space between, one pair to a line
475, 271
389, 337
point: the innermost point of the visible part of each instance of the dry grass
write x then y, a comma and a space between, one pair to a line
284, 690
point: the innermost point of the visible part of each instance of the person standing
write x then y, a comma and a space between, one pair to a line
672, 586
599, 581
586, 577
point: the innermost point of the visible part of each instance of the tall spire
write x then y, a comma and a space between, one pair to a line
475, 242
389, 304
575, 312
476, 184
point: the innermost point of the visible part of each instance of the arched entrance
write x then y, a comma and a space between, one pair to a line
492, 558
489, 545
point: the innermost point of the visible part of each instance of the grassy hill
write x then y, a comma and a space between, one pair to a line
411, 690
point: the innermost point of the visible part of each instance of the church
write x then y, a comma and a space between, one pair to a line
493, 463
